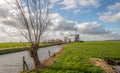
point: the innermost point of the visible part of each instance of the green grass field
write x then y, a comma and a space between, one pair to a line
75, 57
13, 45
16, 47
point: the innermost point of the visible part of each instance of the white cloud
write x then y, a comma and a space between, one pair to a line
93, 3
69, 4
93, 28
61, 27
112, 35
53, 3
55, 35
116, 6
80, 5
81, 11
60, 23
110, 18
112, 15
10, 34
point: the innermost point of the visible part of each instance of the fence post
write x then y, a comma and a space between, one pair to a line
49, 52
25, 64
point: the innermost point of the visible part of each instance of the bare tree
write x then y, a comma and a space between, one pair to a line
31, 20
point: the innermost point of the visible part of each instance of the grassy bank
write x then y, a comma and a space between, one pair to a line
75, 57
16, 47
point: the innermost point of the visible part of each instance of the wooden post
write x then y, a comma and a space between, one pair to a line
49, 52
25, 64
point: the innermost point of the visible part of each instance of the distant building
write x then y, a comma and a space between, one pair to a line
76, 38
69, 40
65, 39
58, 40
51, 41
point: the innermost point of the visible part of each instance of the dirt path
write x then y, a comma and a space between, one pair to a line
103, 64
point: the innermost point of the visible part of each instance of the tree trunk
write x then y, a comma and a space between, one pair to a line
34, 55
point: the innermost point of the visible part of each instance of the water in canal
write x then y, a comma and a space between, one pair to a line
117, 68
12, 63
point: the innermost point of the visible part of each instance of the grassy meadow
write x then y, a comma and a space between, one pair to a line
15, 47
75, 57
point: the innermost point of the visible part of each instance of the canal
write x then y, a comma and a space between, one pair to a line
12, 63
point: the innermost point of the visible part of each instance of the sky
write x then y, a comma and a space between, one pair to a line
95, 20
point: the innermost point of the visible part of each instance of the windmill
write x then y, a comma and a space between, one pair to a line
76, 36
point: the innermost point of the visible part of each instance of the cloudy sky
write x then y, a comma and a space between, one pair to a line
94, 20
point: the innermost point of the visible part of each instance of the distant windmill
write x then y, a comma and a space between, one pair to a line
76, 36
